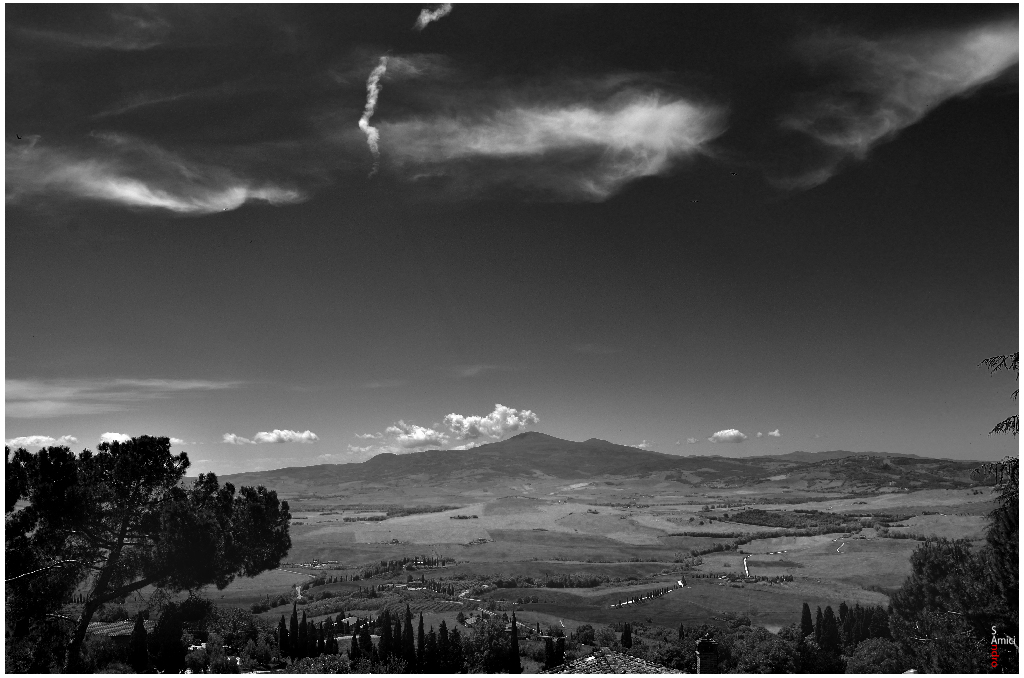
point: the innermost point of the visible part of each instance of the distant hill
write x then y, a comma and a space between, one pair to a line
534, 455
838, 454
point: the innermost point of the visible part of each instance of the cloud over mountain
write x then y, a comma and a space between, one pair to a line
496, 425
729, 435
272, 437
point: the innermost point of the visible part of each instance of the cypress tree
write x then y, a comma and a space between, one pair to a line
303, 643
137, 649
514, 665
456, 659
293, 633
806, 625
319, 639
282, 638
830, 632
421, 638
170, 650
627, 636
817, 626
560, 650
443, 649
353, 650
409, 641
549, 653
398, 642
430, 655
365, 642
384, 644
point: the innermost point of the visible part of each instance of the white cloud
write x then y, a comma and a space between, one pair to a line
427, 16
644, 445
759, 434
40, 398
369, 436
411, 436
285, 436
467, 446
111, 437
271, 437
132, 173
891, 83
572, 139
692, 441
499, 423
359, 450
178, 441
775, 433
729, 435
41, 441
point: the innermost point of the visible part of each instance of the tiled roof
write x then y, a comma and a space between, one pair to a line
604, 660
121, 628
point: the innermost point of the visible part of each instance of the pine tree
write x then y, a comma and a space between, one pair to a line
514, 665
137, 649
806, 625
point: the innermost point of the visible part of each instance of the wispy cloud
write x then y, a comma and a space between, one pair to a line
41, 441
130, 172
178, 441
112, 437
372, 92
496, 425
729, 435
40, 398
891, 83
128, 28
232, 439
427, 16
644, 445
692, 441
775, 433
566, 137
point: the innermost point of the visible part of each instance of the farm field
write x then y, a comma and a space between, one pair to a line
629, 535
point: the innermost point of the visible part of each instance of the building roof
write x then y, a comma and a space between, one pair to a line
118, 629
603, 660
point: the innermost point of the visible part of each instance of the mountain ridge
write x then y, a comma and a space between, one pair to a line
535, 456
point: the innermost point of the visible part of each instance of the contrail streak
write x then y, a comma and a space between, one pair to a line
372, 92
426, 16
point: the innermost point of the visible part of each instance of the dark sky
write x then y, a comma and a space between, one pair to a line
795, 227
